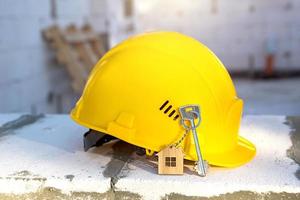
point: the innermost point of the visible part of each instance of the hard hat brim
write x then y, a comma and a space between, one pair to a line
242, 154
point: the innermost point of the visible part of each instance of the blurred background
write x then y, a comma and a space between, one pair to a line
48, 47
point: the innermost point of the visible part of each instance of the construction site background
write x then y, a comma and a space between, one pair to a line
256, 39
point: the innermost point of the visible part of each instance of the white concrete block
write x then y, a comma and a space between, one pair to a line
21, 9
98, 7
49, 153
22, 64
9, 35
24, 72
10, 101
69, 8
67, 20
37, 8
21, 33
29, 32
295, 59
12, 7
40, 85
270, 171
99, 23
8, 66
8, 117
240, 20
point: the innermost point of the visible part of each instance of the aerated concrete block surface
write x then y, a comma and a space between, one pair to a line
39, 152
272, 173
42, 157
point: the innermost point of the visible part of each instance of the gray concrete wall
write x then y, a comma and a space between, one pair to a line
28, 71
239, 32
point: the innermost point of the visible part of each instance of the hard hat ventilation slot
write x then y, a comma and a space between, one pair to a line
172, 113
176, 117
167, 110
162, 106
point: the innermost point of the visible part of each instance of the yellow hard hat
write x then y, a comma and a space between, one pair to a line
135, 90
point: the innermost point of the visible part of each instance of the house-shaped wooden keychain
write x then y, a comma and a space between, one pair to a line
170, 161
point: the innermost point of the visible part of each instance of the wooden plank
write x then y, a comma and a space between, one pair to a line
67, 57
98, 43
77, 49
81, 46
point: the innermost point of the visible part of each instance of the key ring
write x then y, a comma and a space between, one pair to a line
190, 113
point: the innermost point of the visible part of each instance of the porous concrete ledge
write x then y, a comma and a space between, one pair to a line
42, 157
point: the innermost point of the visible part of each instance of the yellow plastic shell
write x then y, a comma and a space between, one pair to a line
126, 91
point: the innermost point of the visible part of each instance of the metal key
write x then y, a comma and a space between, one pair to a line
190, 113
